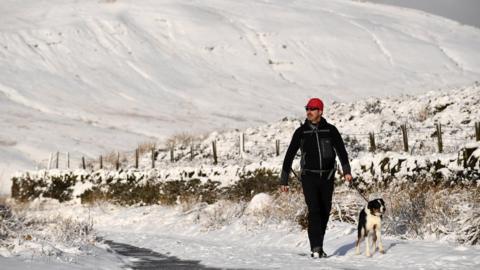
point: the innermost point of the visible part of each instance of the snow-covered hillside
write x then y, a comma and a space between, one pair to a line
94, 76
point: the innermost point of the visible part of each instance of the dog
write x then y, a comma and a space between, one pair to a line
370, 225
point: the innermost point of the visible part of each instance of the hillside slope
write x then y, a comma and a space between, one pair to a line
94, 76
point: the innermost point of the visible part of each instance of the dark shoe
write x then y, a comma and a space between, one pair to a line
317, 252
323, 254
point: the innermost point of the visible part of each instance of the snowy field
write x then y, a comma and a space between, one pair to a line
93, 76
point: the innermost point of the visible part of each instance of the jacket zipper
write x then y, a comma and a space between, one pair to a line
319, 150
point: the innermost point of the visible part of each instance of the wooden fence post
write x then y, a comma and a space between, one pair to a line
83, 163
405, 137
371, 137
277, 147
214, 149
101, 162
191, 151
68, 160
136, 158
439, 137
50, 161
477, 131
153, 157
242, 143
172, 154
56, 162
117, 162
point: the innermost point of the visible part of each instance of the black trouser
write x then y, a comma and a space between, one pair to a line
318, 191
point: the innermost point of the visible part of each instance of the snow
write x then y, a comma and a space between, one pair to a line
258, 203
245, 242
91, 77
74, 72
99, 259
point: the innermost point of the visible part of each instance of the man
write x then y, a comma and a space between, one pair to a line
319, 143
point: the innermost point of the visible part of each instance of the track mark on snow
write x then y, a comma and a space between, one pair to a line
376, 40
143, 258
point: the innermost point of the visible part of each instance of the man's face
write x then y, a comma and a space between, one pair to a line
313, 114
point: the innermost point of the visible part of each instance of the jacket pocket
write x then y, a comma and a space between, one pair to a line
327, 148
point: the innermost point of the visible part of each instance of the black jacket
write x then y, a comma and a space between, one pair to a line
319, 144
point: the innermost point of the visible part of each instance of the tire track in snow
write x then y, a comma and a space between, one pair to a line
143, 258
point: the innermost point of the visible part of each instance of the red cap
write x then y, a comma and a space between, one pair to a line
315, 103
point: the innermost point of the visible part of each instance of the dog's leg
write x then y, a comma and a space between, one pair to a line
360, 237
367, 242
374, 237
357, 246
380, 245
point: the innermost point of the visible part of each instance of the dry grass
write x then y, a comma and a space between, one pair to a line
3, 199
422, 209
19, 226
423, 113
182, 140
146, 147
110, 159
7, 143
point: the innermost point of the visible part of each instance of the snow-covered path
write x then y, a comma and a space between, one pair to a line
249, 242
400, 254
189, 237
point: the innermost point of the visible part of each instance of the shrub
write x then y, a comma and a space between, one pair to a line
52, 236
146, 147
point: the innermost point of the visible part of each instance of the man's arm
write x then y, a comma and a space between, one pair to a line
290, 155
339, 146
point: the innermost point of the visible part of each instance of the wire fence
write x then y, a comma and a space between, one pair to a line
413, 140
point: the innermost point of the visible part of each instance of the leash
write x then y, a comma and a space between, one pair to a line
296, 175
358, 191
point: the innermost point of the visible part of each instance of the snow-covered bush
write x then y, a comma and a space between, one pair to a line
252, 183
219, 214
469, 232
146, 187
21, 233
6, 222
423, 210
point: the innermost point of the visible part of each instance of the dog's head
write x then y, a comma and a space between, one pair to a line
377, 207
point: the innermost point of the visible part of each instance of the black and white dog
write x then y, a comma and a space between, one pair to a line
369, 225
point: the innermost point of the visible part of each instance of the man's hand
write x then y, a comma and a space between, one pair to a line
348, 178
284, 188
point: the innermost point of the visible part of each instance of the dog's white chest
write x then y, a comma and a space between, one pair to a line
373, 221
